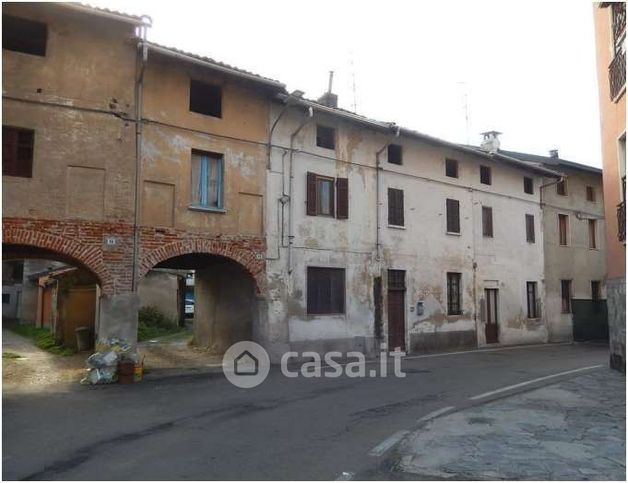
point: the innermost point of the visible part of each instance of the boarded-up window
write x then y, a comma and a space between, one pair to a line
23, 35
451, 168
17, 152
590, 193
395, 207
592, 234
485, 175
454, 305
563, 227
205, 98
207, 180
561, 188
596, 290
325, 137
325, 290
530, 236
487, 221
395, 154
453, 216
531, 295
528, 185
565, 296
322, 194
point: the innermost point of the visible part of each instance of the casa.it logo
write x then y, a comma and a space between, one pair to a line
246, 364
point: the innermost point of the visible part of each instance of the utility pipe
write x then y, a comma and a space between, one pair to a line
308, 117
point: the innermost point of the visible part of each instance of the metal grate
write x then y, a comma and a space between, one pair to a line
617, 74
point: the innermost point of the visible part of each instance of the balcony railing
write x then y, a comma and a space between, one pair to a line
617, 74
621, 221
619, 20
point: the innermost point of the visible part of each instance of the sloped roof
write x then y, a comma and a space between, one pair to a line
124, 17
214, 64
554, 163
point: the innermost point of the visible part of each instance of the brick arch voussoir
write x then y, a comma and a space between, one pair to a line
88, 256
245, 258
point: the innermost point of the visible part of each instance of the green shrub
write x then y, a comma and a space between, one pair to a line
152, 323
42, 338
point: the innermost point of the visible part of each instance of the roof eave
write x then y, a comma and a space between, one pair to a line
79, 7
211, 65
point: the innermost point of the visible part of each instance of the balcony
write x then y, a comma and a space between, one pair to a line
617, 74
621, 222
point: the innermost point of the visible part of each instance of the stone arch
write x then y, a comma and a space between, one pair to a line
243, 256
88, 256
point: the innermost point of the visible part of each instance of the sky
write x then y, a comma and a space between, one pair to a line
451, 69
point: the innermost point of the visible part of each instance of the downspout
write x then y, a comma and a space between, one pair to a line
308, 117
562, 178
142, 48
378, 168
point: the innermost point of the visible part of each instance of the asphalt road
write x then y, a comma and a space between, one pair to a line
201, 428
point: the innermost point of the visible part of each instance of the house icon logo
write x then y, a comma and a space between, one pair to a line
246, 364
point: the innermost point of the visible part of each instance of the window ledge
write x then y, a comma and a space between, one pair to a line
207, 209
397, 227
454, 233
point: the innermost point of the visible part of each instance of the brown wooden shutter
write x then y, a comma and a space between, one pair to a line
311, 194
530, 228
453, 216
342, 195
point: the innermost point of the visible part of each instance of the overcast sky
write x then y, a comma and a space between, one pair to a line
524, 68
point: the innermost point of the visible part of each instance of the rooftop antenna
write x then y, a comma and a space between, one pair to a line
331, 80
355, 99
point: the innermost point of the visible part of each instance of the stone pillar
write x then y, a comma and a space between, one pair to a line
117, 317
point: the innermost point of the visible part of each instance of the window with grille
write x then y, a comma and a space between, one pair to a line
531, 295
454, 305
17, 151
325, 290
453, 216
395, 207
487, 221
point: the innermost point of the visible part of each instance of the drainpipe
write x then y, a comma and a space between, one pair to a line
378, 168
142, 48
562, 178
308, 117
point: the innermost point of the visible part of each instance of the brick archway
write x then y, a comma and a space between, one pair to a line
246, 257
88, 256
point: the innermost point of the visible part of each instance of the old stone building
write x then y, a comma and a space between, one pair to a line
610, 38
308, 227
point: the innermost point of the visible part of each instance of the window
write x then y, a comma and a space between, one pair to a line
322, 194
453, 293
205, 98
453, 216
325, 290
561, 188
451, 168
23, 35
207, 180
596, 290
531, 295
485, 175
325, 137
395, 154
487, 221
528, 185
590, 193
563, 222
17, 152
530, 238
565, 295
592, 234
395, 207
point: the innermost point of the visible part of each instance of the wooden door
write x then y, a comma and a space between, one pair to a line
491, 329
396, 310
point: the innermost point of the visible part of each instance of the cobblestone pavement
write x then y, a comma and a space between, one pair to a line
572, 430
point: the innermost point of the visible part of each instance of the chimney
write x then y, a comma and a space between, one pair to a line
490, 141
553, 153
329, 99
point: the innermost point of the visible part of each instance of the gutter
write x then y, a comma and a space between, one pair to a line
143, 21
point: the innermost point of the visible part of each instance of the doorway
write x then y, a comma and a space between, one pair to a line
492, 320
396, 310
